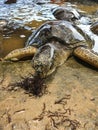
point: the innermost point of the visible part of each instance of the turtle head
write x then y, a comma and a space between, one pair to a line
42, 60
61, 13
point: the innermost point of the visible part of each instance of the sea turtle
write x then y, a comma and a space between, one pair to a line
66, 13
71, 14
53, 43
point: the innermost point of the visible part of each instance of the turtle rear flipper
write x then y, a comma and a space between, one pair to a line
87, 55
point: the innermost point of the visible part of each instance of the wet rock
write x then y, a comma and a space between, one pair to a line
10, 1
3, 23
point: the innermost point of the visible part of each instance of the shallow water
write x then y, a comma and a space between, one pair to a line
25, 16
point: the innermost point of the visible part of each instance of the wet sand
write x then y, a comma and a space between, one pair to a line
70, 101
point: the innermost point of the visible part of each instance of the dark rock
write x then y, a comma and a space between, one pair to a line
10, 1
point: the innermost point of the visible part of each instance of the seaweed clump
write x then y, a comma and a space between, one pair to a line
33, 84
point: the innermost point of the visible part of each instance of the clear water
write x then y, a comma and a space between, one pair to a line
23, 18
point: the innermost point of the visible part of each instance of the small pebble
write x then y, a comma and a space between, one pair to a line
92, 99
22, 36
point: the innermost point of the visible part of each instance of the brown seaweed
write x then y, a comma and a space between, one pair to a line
33, 84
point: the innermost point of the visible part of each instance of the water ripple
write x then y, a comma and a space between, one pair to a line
24, 12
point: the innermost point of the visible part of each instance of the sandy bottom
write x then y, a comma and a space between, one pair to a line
70, 102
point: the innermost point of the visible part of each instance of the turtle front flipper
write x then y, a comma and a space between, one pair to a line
21, 53
87, 55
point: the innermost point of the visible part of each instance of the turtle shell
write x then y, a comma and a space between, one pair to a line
63, 31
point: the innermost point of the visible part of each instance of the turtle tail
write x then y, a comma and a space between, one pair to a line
87, 55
